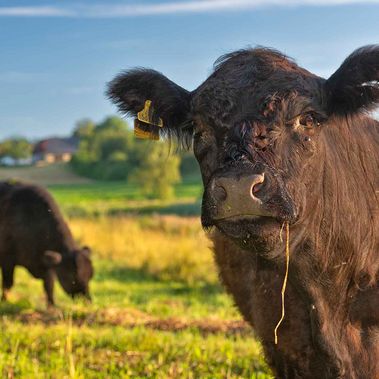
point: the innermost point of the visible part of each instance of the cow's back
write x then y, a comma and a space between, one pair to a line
30, 224
6, 189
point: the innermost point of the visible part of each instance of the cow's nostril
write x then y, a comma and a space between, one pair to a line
219, 193
257, 184
256, 188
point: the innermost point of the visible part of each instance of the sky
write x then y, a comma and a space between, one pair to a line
57, 56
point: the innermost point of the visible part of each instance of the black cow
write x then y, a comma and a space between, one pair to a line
279, 146
33, 234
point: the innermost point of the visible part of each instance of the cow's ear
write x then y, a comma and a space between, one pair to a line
51, 258
354, 86
86, 251
131, 90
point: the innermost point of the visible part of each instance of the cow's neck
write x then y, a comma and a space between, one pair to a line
316, 310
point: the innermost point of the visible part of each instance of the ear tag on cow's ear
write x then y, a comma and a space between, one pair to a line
147, 124
145, 131
148, 116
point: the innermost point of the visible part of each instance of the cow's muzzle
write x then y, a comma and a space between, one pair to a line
228, 197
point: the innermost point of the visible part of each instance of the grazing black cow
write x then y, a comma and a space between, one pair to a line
33, 234
279, 146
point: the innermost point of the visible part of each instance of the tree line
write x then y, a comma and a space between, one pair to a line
109, 151
16, 148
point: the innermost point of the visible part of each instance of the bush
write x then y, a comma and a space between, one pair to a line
108, 151
103, 149
157, 172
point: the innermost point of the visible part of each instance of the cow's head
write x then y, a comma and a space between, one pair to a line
261, 128
74, 270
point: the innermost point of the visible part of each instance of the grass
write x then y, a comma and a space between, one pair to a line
81, 197
117, 352
58, 173
119, 198
158, 309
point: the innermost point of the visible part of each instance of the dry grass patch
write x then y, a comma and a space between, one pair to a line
169, 247
131, 318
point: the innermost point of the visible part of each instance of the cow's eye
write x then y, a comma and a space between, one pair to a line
308, 121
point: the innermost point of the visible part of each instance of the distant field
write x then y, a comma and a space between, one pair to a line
79, 196
99, 198
59, 173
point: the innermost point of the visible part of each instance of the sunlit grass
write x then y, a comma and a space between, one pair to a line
158, 311
115, 352
102, 198
171, 248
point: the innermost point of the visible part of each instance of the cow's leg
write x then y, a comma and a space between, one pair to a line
7, 272
48, 285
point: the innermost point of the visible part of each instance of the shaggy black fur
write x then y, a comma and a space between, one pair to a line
318, 148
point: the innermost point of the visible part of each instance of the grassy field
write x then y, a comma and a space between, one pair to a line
158, 310
59, 173
114, 199
80, 197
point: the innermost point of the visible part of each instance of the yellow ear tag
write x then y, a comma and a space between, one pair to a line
146, 125
145, 131
147, 115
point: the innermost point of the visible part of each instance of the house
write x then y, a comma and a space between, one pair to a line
55, 149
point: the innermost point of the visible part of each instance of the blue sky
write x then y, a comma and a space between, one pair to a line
56, 56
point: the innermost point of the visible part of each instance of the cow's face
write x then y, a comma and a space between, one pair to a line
83, 272
257, 126
74, 270
254, 138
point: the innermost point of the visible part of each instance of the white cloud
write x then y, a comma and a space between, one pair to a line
174, 7
35, 11
201, 6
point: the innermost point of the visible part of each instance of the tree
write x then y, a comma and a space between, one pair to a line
103, 149
16, 148
84, 129
157, 171
112, 123
109, 151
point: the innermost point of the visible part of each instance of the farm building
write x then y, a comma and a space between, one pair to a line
55, 149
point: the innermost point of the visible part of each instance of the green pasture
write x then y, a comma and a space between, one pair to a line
99, 198
139, 325
158, 309
80, 197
